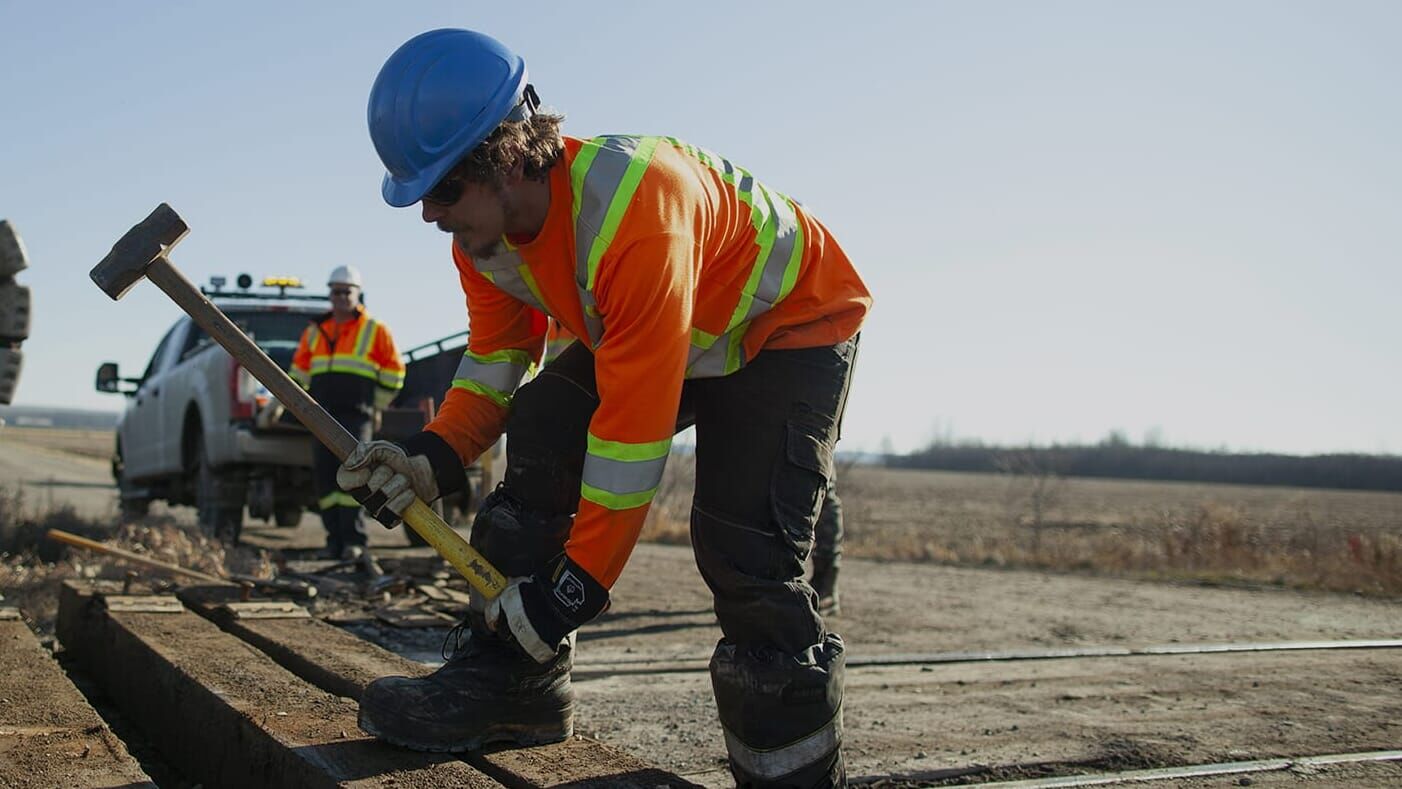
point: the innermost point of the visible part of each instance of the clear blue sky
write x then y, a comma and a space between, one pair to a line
1075, 216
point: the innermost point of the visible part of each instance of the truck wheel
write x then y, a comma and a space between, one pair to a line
215, 495
133, 507
288, 517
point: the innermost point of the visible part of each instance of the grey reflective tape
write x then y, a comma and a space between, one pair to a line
709, 363
776, 763
504, 271
504, 377
506, 259
596, 195
771, 279
622, 476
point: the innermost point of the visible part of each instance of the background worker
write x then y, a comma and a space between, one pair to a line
701, 297
347, 360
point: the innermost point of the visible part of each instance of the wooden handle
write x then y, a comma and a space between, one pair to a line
451, 546
110, 550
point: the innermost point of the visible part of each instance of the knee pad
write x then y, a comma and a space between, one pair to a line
782, 713
547, 434
516, 539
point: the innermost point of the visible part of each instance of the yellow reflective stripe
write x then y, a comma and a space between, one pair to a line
337, 499
621, 450
363, 337
616, 501
391, 379
502, 399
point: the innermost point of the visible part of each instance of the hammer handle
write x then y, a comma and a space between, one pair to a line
420, 517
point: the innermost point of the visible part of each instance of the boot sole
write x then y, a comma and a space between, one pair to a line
515, 734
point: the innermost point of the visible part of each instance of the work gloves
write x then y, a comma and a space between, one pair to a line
539, 612
386, 479
269, 414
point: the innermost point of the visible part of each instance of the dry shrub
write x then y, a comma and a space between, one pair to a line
31, 568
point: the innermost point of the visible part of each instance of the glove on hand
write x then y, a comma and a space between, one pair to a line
385, 479
269, 414
541, 611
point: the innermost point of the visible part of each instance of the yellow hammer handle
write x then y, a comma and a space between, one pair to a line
451, 546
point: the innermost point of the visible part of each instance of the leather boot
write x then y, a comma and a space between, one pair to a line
488, 691
825, 584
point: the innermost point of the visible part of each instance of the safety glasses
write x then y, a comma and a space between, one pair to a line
446, 192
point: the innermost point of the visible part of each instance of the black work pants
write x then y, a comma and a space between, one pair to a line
765, 437
340, 513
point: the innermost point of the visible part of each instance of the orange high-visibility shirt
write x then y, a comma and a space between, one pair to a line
675, 265
339, 362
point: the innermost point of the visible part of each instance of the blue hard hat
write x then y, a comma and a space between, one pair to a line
435, 99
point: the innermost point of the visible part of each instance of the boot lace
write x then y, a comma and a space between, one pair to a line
458, 636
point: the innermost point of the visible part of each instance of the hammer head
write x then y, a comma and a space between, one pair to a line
134, 252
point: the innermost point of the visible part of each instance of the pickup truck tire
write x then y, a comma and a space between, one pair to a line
218, 496
131, 505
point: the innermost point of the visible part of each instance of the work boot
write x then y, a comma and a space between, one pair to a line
488, 691
825, 584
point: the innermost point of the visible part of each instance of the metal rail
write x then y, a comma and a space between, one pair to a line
600, 668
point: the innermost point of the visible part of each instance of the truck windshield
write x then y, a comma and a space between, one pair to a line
276, 333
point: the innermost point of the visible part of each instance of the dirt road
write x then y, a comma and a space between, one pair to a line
643, 687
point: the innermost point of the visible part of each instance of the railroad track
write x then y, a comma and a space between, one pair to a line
262, 694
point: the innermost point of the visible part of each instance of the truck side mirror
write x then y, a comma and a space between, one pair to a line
107, 379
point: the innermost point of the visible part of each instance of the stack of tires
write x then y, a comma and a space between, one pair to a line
14, 310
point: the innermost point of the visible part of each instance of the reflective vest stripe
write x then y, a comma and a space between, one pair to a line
603, 178
779, 237
493, 375
337, 498
775, 763
325, 360
508, 272
619, 475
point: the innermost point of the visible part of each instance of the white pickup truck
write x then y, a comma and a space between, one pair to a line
189, 436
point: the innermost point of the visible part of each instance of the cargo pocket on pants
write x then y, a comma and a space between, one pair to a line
800, 480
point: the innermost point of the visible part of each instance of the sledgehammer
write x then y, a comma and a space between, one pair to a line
144, 252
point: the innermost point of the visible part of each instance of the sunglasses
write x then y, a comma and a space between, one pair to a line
446, 192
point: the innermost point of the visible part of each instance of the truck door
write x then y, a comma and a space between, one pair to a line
141, 432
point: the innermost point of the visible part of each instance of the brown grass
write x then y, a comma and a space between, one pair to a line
1331, 540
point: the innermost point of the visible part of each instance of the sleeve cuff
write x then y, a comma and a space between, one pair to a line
447, 467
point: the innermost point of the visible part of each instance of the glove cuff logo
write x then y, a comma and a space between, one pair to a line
569, 590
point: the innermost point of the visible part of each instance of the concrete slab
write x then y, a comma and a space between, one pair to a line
49, 734
224, 713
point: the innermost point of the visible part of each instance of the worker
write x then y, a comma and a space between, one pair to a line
700, 296
347, 360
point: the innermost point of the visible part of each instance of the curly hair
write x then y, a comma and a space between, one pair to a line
536, 141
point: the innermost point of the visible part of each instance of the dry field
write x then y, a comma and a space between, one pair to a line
88, 443
1298, 538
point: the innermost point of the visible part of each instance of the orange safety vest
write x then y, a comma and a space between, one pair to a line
671, 263
338, 362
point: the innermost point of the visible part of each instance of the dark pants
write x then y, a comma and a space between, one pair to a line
340, 513
764, 454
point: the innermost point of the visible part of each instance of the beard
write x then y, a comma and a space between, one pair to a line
480, 251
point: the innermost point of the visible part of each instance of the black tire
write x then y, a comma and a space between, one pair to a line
288, 517
132, 507
215, 514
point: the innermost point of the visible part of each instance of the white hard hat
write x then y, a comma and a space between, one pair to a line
345, 275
